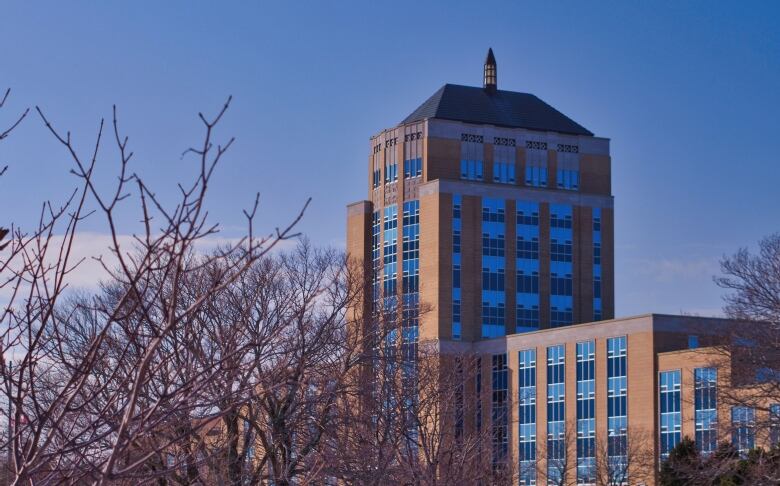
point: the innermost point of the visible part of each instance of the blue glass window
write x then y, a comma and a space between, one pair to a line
500, 401
743, 426
527, 415
586, 412
670, 419
556, 411
705, 385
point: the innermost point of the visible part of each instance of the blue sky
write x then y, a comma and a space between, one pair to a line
687, 92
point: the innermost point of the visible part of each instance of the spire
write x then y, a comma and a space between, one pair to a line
490, 79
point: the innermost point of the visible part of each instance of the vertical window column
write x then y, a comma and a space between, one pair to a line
705, 385
471, 155
536, 164
391, 161
412, 155
390, 255
597, 304
743, 435
457, 201
527, 415
617, 406
493, 268
499, 416
669, 406
561, 299
527, 264
586, 412
411, 270
556, 413
504, 155
568, 167
774, 424
376, 258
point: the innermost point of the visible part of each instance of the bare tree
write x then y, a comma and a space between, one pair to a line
625, 459
96, 399
752, 349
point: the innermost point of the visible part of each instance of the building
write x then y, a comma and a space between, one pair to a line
494, 210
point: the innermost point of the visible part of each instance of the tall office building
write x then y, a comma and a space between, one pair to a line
493, 211
493, 208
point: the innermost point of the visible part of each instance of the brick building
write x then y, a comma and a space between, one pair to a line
495, 211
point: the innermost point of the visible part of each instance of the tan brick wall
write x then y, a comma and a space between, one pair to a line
471, 268
442, 159
544, 266
595, 174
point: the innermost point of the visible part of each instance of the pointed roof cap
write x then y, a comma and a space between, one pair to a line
490, 59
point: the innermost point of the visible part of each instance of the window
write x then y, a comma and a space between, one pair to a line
568, 173
705, 382
492, 246
500, 400
743, 434
504, 160
527, 415
391, 162
536, 164
528, 249
617, 407
669, 409
556, 411
504, 173
471, 156
412, 168
560, 251
561, 284
457, 200
493, 279
527, 266
774, 424
390, 250
693, 342
411, 246
527, 284
493, 267
586, 412
597, 304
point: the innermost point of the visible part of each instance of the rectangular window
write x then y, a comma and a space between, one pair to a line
556, 412
527, 266
536, 164
493, 268
527, 415
471, 156
504, 161
705, 383
568, 173
774, 424
617, 407
500, 400
586, 412
391, 161
457, 201
561, 265
597, 287
390, 252
743, 421
670, 418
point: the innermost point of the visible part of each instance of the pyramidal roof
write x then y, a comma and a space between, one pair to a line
500, 108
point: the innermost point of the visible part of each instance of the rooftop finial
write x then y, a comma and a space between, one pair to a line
490, 79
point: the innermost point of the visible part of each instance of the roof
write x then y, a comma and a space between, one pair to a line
501, 108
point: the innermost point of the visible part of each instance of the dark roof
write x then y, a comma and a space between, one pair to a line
501, 108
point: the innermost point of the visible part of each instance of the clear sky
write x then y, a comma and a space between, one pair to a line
688, 92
